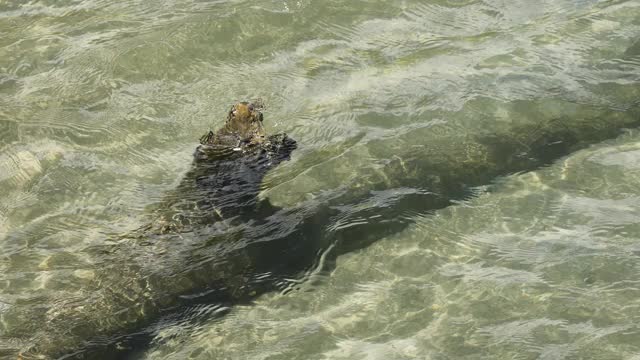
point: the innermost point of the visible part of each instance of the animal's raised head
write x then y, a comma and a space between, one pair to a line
245, 122
243, 127
243, 132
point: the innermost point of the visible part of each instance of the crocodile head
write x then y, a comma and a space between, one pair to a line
242, 128
242, 133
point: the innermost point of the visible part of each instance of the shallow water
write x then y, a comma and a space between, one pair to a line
102, 103
540, 265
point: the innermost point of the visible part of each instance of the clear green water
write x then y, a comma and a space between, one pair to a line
541, 265
102, 102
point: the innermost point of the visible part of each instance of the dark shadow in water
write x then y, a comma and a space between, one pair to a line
192, 276
289, 242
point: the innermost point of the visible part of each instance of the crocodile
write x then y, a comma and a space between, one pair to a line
214, 243
128, 290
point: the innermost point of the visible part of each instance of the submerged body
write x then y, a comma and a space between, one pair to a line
131, 288
213, 241
227, 173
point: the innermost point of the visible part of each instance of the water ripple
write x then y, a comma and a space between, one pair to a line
102, 103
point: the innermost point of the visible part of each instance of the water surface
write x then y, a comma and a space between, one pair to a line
102, 103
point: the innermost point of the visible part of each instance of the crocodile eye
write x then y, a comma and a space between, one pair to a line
232, 112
